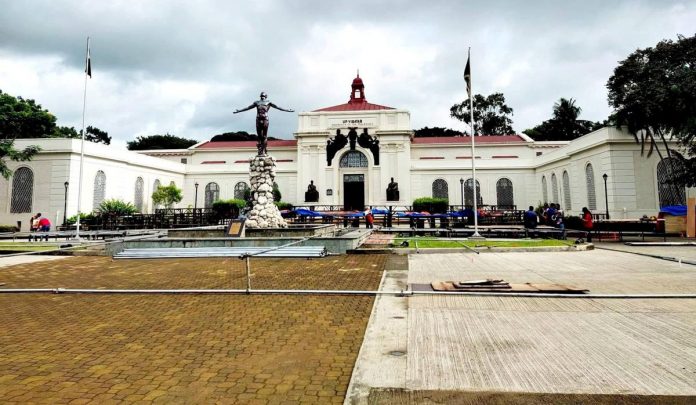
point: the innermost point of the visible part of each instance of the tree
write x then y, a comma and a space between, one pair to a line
426, 132
93, 134
491, 115
564, 125
653, 94
167, 195
19, 117
166, 141
116, 207
236, 136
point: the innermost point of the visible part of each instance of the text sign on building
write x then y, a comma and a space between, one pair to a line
365, 122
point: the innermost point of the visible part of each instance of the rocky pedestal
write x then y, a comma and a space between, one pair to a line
263, 214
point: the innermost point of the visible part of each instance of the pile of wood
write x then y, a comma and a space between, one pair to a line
499, 285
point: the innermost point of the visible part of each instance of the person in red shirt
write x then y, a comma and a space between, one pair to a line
44, 223
587, 222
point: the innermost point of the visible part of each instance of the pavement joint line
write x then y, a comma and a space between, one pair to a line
667, 258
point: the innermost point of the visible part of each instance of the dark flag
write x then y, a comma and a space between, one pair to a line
467, 74
88, 63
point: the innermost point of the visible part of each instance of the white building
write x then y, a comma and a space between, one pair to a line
511, 170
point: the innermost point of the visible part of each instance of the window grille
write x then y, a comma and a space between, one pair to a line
440, 189
239, 190
469, 193
591, 194
544, 189
566, 192
212, 194
22, 190
353, 158
155, 186
669, 194
353, 178
504, 193
554, 188
99, 189
139, 186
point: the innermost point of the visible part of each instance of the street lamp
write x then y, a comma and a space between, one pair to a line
65, 209
461, 188
606, 195
195, 198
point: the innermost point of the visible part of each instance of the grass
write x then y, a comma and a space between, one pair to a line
25, 247
449, 243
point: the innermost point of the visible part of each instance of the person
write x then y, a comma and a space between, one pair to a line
587, 223
469, 214
34, 223
369, 219
549, 213
44, 224
262, 107
530, 218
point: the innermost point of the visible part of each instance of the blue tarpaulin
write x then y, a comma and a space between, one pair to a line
674, 210
308, 213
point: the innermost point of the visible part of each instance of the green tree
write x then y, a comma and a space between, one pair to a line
93, 134
653, 94
166, 141
167, 195
18, 118
426, 132
491, 114
564, 125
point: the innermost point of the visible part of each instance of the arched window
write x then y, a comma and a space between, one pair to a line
239, 190
566, 191
22, 190
669, 194
155, 186
212, 194
591, 195
503, 189
99, 189
138, 199
544, 189
440, 189
353, 158
469, 193
554, 188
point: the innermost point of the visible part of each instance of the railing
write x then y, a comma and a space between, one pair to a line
162, 219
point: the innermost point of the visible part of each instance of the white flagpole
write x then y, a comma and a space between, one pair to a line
82, 147
473, 150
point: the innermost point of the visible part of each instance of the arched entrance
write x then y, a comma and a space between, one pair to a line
353, 166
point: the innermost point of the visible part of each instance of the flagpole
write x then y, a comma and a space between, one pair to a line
473, 151
82, 145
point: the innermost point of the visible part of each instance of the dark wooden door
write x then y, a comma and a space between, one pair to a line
353, 192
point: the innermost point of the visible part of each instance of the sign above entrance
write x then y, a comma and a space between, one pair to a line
365, 122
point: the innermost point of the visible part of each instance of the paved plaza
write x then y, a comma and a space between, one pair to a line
449, 349
79, 348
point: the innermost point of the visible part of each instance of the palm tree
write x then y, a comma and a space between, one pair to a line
565, 119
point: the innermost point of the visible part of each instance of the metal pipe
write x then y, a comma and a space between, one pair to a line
248, 275
402, 293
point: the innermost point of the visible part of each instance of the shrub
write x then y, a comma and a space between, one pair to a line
8, 228
228, 208
116, 207
83, 217
276, 193
282, 205
431, 204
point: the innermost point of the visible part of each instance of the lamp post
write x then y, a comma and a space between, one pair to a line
461, 189
606, 195
195, 198
65, 209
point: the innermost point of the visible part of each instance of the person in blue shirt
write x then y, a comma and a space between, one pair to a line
530, 218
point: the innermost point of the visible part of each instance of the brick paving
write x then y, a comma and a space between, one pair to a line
81, 348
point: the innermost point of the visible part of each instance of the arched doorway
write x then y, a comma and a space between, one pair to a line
353, 165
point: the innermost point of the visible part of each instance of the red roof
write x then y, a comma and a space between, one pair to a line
245, 144
355, 107
467, 139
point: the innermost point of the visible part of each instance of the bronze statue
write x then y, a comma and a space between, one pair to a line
262, 106
393, 191
312, 194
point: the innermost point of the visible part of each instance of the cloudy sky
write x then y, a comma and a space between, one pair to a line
182, 67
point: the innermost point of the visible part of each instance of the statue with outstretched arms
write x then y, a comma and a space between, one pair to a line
262, 107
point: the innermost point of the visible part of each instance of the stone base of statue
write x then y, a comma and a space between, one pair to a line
263, 214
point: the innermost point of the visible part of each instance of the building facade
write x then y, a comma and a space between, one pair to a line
351, 153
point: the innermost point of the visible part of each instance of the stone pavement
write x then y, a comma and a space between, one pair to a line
81, 348
468, 349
